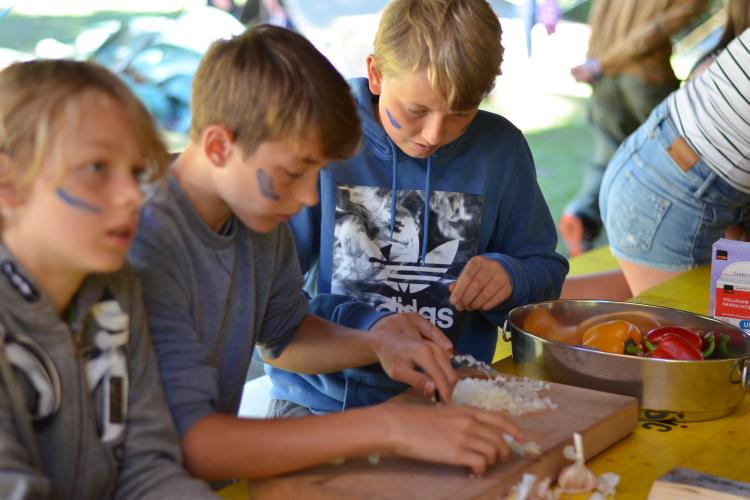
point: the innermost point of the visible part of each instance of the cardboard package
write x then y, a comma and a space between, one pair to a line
730, 283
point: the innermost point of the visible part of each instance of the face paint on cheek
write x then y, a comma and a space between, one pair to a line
265, 184
74, 202
392, 119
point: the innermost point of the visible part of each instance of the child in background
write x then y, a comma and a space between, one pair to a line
439, 213
220, 274
82, 412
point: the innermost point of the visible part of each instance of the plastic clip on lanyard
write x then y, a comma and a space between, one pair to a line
109, 367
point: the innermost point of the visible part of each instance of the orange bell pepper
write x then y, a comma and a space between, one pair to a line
540, 322
612, 336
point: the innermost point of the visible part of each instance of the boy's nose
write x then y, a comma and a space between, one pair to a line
128, 192
307, 190
433, 131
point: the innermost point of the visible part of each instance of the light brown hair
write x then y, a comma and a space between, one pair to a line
738, 19
269, 84
458, 43
35, 95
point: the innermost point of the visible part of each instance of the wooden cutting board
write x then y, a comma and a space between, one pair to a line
601, 418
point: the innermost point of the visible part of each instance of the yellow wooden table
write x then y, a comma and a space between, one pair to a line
719, 447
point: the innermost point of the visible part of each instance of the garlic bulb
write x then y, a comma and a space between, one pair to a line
577, 478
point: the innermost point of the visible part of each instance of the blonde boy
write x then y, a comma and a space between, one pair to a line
440, 212
220, 274
82, 411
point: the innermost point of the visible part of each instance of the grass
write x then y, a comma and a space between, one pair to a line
560, 153
560, 150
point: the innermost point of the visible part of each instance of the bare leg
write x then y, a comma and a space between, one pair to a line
736, 232
605, 285
642, 278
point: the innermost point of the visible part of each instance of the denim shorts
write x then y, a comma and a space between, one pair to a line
281, 408
658, 215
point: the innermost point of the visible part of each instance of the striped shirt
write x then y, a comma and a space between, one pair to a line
712, 112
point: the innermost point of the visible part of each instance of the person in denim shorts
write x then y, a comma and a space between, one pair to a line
676, 184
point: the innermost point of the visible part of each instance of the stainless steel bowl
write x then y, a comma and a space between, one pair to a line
681, 390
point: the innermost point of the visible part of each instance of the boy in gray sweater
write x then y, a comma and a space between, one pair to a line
82, 412
221, 274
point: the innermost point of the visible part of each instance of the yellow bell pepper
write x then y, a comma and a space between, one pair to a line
611, 336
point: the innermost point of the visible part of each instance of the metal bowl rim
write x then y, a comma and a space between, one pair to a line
627, 356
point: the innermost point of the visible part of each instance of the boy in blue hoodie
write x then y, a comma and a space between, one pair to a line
439, 213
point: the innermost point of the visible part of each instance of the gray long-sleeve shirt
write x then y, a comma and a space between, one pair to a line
65, 454
210, 298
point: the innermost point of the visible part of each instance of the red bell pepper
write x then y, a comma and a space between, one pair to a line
724, 345
673, 346
693, 338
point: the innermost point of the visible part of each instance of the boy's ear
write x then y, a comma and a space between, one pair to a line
10, 195
217, 144
374, 76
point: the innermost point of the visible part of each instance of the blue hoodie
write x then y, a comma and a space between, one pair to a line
394, 231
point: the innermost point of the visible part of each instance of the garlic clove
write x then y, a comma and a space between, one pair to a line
576, 478
542, 489
607, 484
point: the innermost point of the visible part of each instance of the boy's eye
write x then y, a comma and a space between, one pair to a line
95, 167
140, 174
416, 111
289, 174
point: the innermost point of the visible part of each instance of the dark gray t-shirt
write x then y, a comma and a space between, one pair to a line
210, 298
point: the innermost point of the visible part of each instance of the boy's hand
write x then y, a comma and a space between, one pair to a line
482, 285
587, 72
406, 356
458, 435
413, 325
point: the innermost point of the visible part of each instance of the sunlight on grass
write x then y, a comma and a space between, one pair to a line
540, 97
534, 93
532, 112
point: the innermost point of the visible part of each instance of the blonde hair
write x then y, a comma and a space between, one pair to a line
34, 97
270, 83
458, 43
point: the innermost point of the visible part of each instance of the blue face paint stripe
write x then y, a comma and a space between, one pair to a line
391, 118
76, 203
265, 184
